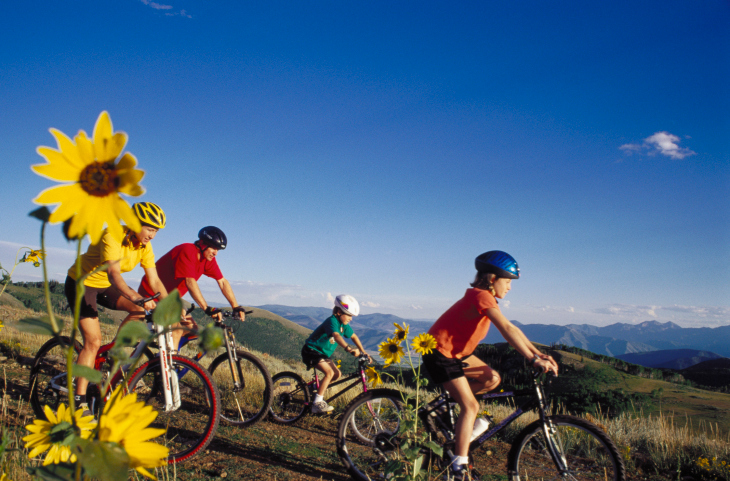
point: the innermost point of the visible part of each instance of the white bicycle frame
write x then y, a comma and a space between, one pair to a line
170, 386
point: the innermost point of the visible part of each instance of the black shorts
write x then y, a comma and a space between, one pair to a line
86, 310
312, 357
441, 368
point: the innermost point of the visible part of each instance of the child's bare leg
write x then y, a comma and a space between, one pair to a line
460, 390
331, 373
481, 377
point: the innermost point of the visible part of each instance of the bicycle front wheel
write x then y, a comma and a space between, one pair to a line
367, 434
48, 375
290, 398
584, 450
248, 403
191, 427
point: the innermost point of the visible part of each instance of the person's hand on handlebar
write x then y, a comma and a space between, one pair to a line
149, 304
546, 363
241, 311
214, 312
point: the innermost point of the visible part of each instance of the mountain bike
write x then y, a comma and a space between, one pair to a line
555, 447
243, 380
188, 407
293, 396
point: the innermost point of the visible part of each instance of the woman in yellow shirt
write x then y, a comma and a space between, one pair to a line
107, 287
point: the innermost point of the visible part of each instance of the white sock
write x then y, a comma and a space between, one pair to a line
318, 398
460, 460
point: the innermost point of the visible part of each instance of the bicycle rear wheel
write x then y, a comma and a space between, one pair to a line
291, 398
191, 427
367, 434
248, 404
587, 452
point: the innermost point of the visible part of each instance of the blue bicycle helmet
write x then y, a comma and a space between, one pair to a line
499, 263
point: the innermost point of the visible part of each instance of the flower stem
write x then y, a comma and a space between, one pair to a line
74, 330
46, 289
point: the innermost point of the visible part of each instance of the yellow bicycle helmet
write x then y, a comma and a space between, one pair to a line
150, 214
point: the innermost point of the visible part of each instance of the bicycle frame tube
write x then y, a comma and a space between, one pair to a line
170, 386
349, 377
232, 357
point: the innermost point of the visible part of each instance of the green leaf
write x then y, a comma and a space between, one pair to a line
35, 325
131, 333
101, 460
168, 310
62, 433
210, 338
89, 373
41, 213
417, 465
53, 472
435, 448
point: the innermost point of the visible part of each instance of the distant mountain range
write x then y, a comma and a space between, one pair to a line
615, 340
676, 359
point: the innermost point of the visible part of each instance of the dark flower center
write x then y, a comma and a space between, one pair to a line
393, 348
99, 179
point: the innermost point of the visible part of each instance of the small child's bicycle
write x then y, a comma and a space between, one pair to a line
555, 447
179, 388
293, 398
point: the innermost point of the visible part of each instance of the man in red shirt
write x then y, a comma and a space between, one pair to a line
182, 267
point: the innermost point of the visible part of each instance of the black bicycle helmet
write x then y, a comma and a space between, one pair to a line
213, 237
499, 263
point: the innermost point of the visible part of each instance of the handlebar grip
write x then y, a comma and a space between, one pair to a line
144, 300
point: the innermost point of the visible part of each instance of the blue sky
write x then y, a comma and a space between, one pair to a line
376, 148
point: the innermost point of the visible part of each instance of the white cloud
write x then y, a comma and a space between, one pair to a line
662, 143
369, 304
505, 304
167, 9
157, 6
416, 308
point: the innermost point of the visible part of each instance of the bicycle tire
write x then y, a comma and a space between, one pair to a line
291, 398
250, 404
589, 453
366, 460
191, 427
48, 380
365, 421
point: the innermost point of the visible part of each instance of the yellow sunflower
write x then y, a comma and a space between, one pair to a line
94, 175
33, 256
373, 376
424, 343
391, 351
55, 434
401, 332
4, 477
125, 421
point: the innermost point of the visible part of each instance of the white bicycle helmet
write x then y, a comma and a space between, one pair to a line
348, 304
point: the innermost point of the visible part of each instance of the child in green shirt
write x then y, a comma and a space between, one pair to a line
322, 343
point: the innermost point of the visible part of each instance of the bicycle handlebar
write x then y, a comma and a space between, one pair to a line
232, 313
145, 300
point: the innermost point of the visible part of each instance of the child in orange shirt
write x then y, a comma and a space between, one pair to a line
459, 330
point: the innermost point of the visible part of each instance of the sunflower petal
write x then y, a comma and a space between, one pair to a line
69, 149
85, 147
107, 144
